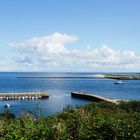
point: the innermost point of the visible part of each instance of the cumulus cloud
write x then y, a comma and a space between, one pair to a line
50, 53
52, 44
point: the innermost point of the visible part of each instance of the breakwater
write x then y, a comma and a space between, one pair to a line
23, 96
53, 77
93, 97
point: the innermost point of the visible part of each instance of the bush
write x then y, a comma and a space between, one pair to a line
102, 121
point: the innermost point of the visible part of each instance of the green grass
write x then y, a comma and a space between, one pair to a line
100, 121
123, 76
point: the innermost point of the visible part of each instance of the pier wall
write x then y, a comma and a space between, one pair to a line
22, 96
93, 97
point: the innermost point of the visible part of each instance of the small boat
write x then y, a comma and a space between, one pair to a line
22, 97
32, 98
7, 105
119, 82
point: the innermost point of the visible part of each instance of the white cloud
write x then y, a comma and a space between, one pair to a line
53, 44
50, 53
5, 65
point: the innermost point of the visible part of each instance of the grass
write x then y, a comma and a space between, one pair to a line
123, 76
99, 121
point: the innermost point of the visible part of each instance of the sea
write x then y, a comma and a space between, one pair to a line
59, 86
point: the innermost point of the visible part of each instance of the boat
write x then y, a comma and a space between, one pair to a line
119, 82
7, 105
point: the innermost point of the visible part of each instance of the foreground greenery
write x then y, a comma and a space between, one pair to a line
101, 121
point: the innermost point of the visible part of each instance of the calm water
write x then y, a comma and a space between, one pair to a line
60, 89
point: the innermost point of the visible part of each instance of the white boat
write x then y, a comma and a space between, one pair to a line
23, 97
119, 82
7, 105
33, 98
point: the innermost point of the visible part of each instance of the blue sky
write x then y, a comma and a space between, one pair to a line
108, 29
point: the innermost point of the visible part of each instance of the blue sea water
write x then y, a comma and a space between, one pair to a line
59, 86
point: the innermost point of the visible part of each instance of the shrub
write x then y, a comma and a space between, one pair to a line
102, 121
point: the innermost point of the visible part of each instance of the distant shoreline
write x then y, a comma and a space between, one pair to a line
123, 76
110, 76
117, 76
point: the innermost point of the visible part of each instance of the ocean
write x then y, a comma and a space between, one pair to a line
59, 86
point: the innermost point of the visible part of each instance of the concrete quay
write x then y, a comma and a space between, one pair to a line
23, 96
93, 97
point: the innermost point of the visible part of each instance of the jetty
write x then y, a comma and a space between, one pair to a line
23, 96
93, 97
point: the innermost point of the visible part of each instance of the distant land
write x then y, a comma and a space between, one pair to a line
134, 76
120, 76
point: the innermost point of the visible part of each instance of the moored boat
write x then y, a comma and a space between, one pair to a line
119, 82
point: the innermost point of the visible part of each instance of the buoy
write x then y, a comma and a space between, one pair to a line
7, 105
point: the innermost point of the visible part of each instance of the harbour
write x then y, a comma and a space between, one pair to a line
59, 91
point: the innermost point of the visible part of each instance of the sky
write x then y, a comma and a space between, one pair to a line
70, 35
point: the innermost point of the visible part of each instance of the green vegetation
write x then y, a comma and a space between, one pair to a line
123, 76
101, 121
